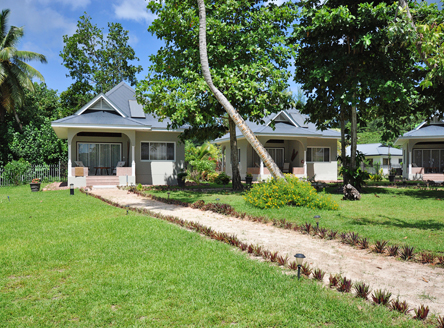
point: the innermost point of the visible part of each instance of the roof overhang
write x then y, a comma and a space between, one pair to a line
61, 129
403, 140
290, 136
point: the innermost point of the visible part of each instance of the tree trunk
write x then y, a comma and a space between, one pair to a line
236, 178
354, 139
343, 148
18, 120
234, 115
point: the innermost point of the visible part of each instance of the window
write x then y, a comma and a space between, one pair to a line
277, 154
99, 155
157, 151
385, 161
318, 154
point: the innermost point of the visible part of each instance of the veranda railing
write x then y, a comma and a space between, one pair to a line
54, 172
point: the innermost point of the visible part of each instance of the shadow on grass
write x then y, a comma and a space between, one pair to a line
394, 222
415, 193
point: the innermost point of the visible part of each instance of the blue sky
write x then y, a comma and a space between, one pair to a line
46, 21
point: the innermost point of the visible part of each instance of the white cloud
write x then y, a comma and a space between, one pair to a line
133, 10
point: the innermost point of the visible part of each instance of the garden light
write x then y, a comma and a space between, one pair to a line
299, 259
217, 199
8, 198
168, 194
317, 217
71, 189
127, 206
86, 191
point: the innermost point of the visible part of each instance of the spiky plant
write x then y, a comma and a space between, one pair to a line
380, 246
322, 233
257, 250
266, 254
288, 225
243, 246
397, 305
440, 322
281, 260
421, 312
344, 237
305, 269
306, 228
334, 280
393, 250
353, 238
345, 285
250, 249
426, 257
406, 253
318, 274
293, 265
363, 243
362, 290
273, 256
381, 297
332, 234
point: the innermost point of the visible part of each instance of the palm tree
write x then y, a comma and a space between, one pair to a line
232, 112
15, 74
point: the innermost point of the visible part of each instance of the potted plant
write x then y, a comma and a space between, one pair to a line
249, 178
35, 184
392, 175
181, 179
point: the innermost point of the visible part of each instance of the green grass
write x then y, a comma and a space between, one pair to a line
76, 261
402, 216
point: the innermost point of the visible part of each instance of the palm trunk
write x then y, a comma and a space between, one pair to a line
234, 115
236, 179
354, 139
18, 120
343, 148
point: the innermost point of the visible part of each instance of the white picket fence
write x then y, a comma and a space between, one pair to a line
48, 173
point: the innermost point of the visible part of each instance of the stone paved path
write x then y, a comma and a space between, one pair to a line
416, 283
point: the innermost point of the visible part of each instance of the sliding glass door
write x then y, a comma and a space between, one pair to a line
95, 155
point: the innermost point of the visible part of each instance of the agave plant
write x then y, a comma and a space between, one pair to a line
345, 285
440, 322
266, 254
381, 297
318, 274
362, 290
363, 243
393, 250
273, 257
306, 228
406, 253
334, 280
282, 260
399, 306
293, 265
306, 270
332, 234
421, 313
426, 257
380, 246
322, 233
353, 238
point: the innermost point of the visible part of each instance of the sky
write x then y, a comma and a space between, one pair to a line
46, 21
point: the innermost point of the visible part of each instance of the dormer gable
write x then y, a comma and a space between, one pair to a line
283, 117
100, 103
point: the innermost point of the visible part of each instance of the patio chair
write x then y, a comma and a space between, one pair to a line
79, 163
286, 168
119, 164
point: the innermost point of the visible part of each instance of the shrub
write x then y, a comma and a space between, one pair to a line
278, 193
222, 178
397, 305
362, 290
381, 297
14, 171
421, 312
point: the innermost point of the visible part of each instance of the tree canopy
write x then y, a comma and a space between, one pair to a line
96, 62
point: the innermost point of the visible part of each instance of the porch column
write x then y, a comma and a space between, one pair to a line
261, 170
305, 163
410, 162
133, 164
71, 135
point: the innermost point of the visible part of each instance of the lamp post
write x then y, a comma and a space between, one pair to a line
217, 200
168, 194
127, 206
317, 217
71, 189
86, 191
299, 259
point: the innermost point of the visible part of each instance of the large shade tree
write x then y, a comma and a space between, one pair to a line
15, 73
352, 67
249, 60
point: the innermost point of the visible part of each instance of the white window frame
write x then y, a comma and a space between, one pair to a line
97, 143
157, 160
314, 147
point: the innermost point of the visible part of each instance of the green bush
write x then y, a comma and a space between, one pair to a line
295, 192
14, 171
222, 178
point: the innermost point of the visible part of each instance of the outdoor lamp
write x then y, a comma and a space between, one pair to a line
299, 259
168, 194
317, 217
86, 191
71, 189
217, 199
127, 206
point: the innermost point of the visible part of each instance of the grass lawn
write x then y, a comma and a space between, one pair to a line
76, 261
402, 216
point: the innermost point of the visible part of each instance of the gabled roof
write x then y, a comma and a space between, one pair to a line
117, 109
289, 123
424, 130
376, 149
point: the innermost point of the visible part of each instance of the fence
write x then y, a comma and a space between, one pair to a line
47, 173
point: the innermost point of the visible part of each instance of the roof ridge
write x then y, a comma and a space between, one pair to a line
118, 86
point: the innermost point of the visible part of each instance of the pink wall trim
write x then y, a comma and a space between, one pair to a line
122, 171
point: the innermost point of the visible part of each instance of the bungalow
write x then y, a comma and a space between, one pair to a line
423, 151
377, 153
297, 147
111, 141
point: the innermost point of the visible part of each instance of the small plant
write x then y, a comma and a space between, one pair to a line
362, 290
322, 233
306, 228
440, 322
353, 238
318, 274
421, 313
273, 257
293, 265
288, 226
380, 246
243, 246
35, 180
363, 243
249, 175
250, 249
257, 250
393, 250
426, 257
306, 270
332, 234
281, 260
399, 306
344, 237
139, 187
381, 297
266, 254
334, 280
406, 253
440, 259
345, 285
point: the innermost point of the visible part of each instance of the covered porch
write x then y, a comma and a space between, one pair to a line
424, 160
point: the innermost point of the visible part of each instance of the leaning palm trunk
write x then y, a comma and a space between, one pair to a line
240, 123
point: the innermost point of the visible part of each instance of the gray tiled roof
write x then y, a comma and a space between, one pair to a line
434, 130
286, 128
376, 149
120, 95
